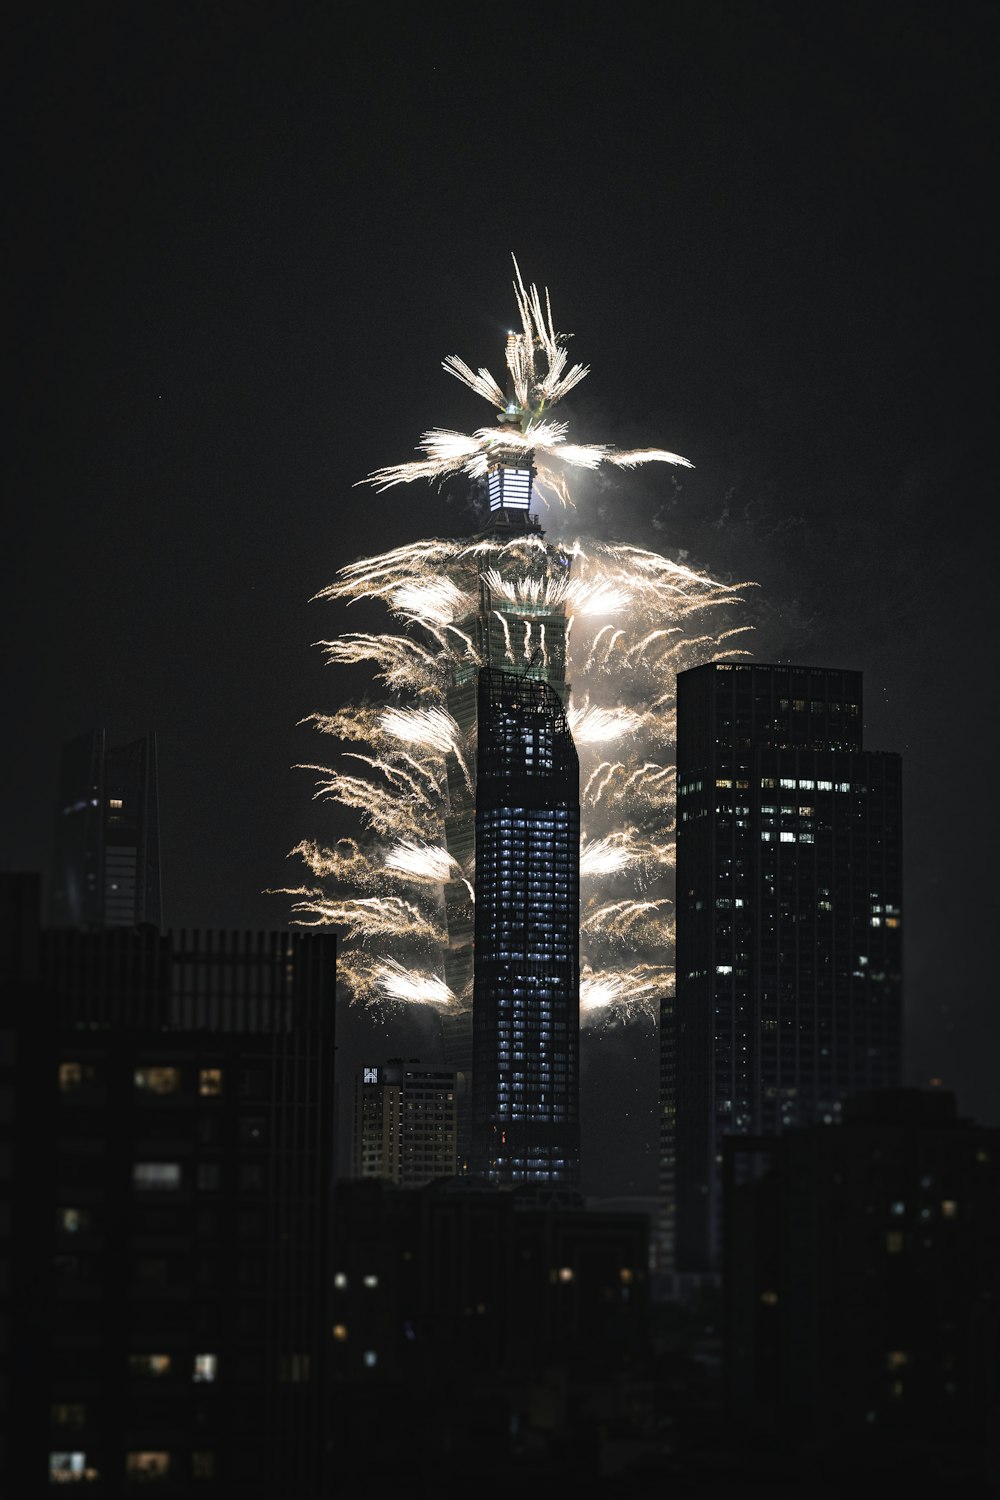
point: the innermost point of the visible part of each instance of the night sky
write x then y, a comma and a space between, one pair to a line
244, 237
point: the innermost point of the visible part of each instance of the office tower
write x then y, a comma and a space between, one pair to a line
519, 627
170, 1148
789, 935
405, 1123
106, 862
502, 600
526, 995
862, 1281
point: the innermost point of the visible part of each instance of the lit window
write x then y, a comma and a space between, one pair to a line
210, 1082
156, 1176
370, 1359
115, 802
371, 1281
769, 1299
898, 1208
76, 1075
896, 1359
73, 1220
203, 1465
142, 1468
949, 1208
70, 1468
893, 1242
625, 1275
339, 1331
157, 1080
565, 1273
205, 1367
149, 1366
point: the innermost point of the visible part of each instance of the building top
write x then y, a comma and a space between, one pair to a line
901, 1106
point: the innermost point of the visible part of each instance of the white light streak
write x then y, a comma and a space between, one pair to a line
629, 620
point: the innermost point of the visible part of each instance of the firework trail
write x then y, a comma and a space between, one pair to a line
601, 621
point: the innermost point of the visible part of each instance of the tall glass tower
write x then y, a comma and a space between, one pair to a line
526, 996
517, 630
789, 926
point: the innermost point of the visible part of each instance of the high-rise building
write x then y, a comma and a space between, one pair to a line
106, 858
526, 996
518, 630
789, 926
165, 1199
405, 1123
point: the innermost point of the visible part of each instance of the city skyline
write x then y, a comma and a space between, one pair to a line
797, 311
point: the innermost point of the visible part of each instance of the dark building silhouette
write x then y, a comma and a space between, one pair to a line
405, 1122
106, 855
502, 1329
526, 995
789, 926
862, 1282
165, 1188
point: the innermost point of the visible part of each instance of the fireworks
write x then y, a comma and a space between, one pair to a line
609, 625
524, 428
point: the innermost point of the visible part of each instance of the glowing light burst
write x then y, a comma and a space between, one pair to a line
536, 364
421, 861
627, 994
633, 619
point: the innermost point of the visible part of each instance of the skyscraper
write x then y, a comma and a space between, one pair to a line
501, 601
526, 996
518, 630
789, 925
106, 864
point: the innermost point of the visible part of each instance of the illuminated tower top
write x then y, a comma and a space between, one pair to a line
526, 440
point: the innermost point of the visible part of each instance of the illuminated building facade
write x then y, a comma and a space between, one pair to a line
106, 866
526, 995
405, 1123
515, 630
789, 926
